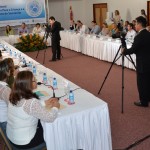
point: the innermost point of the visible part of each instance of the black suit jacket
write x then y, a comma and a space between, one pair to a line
141, 48
73, 27
54, 30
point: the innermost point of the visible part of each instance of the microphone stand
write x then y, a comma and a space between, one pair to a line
39, 83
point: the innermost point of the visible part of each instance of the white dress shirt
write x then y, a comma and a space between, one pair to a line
130, 35
84, 29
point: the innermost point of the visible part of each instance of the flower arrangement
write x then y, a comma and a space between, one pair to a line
30, 42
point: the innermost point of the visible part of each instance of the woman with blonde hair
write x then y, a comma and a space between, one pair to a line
105, 29
117, 18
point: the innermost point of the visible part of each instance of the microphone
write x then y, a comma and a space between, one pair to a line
39, 83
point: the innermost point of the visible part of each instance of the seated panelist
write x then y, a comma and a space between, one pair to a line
24, 112
37, 29
23, 29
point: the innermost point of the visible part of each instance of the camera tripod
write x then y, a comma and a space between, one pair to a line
115, 59
45, 37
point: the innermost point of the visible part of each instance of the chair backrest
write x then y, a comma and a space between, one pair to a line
11, 147
5, 139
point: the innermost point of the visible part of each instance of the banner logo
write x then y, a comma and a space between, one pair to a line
33, 8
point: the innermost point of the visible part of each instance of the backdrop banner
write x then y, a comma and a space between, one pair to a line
14, 12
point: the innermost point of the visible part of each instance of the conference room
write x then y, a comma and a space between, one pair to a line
74, 75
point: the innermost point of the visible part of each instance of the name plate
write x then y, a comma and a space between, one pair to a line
94, 37
117, 40
109, 39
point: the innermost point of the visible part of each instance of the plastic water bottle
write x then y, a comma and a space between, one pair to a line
30, 65
20, 57
15, 54
54, 83
71, 97
10, 52
44, 78
24, 61
34, 70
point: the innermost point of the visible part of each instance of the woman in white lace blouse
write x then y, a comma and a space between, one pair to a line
24, 111
4, 93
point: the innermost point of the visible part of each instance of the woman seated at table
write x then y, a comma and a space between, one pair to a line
12, 70
125, 27
114, 31
105, 30
4, 94
1, 56
24, 111
9, 30
37, 29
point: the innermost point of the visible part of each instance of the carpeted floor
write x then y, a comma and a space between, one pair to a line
89, 73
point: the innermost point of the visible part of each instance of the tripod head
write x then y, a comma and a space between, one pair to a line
122, 38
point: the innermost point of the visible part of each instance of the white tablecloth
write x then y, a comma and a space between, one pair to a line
84, 125
95, 47
102, 49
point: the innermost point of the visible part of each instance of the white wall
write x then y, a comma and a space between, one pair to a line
83, 9
60, 10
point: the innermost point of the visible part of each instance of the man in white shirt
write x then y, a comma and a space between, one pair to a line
95, 28
82, 28
37, 29
131, 33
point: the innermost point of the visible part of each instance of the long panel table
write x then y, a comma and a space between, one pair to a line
103, 48
83, 125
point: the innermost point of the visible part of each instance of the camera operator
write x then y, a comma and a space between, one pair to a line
54, 29
141, 48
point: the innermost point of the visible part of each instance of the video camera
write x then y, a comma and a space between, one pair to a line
121, 36
46, 26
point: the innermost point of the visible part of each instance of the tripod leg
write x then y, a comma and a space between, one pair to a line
132, 61
41, 42
109, 70
122, 105
44, 56
37, 53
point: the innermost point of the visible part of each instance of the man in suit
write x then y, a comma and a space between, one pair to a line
141, 48
72, 25
54, 29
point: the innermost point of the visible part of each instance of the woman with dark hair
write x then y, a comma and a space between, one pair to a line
4, 94
9, 30
125, 28
143, 14
1, 57
24, 111
37, 29
10, 63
